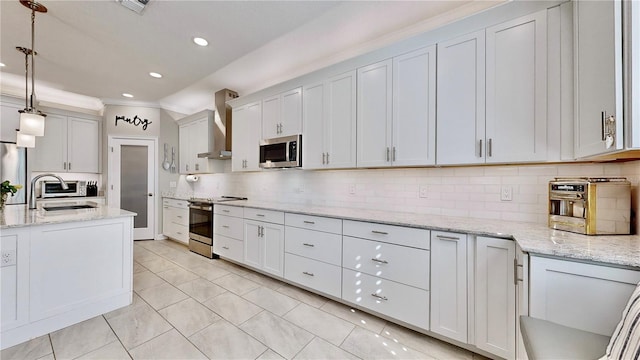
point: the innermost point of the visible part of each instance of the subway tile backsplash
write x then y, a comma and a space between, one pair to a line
472, 191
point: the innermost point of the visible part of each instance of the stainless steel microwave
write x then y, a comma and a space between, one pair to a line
282, 152
53, 189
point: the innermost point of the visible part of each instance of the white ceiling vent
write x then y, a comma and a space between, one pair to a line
135, 5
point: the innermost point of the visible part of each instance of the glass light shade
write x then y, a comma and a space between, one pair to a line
25, 140
31, 124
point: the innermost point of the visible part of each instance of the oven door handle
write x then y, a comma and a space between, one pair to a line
201, 207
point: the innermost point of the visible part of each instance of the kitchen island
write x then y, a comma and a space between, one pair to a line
61, 267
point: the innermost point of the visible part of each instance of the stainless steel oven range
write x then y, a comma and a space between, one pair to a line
201, 224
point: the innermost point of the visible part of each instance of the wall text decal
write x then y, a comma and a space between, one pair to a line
136, 121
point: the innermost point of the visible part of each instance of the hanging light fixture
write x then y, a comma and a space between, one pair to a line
24, 140
31, 119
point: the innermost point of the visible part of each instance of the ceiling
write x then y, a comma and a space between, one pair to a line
90, 52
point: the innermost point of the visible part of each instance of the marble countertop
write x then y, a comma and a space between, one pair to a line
532, 238
13, 216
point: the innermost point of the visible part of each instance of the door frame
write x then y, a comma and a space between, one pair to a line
111, 161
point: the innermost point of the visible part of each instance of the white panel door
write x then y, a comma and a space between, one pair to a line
291, 112
449, 285
340, 127
271, 117
461, 100
273, 249
314, 122
252, 135
238, 139
83, 146
252, 244
374, 114
495, 297
199, 143
414, 108
598, 62
184, 148
516, 101
50, 153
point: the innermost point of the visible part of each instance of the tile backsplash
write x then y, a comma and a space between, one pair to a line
472, 191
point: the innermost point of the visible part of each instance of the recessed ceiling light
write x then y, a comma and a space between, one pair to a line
155, 75
2, 65
200, 41
127, 95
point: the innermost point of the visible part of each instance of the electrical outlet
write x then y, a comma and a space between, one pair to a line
423, 192
352, 189
8, 257
172, 184
506, 193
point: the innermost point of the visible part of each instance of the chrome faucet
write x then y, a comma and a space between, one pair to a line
32, 194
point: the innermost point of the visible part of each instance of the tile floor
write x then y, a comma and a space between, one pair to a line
188, 307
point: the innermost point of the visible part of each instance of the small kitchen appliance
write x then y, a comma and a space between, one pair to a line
53, 189
590, 206
282, 152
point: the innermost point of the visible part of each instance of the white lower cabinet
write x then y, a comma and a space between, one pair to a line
264, 241
313, 274
473, 291
390, 298
229, 248
14, 277
175, 219
584, 296
449, 285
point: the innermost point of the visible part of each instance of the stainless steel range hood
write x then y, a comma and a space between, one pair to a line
221, 147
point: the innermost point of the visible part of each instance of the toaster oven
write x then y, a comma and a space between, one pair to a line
53, 189
590, 206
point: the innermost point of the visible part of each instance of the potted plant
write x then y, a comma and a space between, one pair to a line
7, 188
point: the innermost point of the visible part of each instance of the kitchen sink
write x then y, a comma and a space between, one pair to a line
68, 207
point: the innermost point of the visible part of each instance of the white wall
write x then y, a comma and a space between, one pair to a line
457, 191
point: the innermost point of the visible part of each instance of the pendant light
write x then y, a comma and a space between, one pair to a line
31, 119
24, 140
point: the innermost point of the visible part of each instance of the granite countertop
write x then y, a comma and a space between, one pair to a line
13, 216
532, 238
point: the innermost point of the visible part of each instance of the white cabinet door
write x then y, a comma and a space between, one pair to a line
273, 245
199, 143
461, 100
15, 278
291, 112
495, 297
246, 137
50, 153
588, 297
449, 285
340, 127
252, 244
10, 121
238, 138
83, 146
598, 63
184, 152
516, 98
271, 117
414, 108
314, 123
374, 114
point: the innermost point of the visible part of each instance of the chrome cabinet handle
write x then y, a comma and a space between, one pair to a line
603, 115
379, 261
444, 237
379, 297
394, 153
197, 167
388, 155
307, 244
64, 164
323, 158
480, 147
308, 273
69, 165
179, 232
309, 222
225, 247
187, 166
225, 226
379, 232
327, 158
261, 215
179, 216
490, 150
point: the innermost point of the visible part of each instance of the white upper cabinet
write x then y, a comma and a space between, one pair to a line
374, 114
282, 114
246, 137
396, 111
461, 93
195, 135
414, 108
329, 122
69, 144
598, 63
516, 98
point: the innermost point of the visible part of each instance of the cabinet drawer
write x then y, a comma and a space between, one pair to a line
400, 235
318, 223
390, 298
228, 226
314, 244
180, 217
228, 248
272, 216
392, 262
313, 274
182, 204
228, 210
